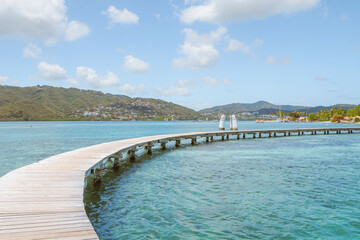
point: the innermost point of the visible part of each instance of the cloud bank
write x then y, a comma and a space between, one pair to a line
89, 75
41, 19
216, 11
135, 65
198, 49
121, 16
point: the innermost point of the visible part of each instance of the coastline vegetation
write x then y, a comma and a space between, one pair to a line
335, 115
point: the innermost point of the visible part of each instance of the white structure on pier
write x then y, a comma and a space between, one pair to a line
222, 122
233, 123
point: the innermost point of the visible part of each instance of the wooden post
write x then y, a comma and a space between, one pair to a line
177, 143
284, 134
238, 136
298, 133
324, 132
97, 179
163, 145
259, 134
116, 164
149, 148
302, 132
315, 132
254, 135
193, 141
212, 138
274, 134
312, 132
132, 155
349, 131
244, 135
269, 134
222, 137
207, 139
227, 136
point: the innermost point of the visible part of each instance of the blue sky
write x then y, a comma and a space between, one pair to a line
195, 53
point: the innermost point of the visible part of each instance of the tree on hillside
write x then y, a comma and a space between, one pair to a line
280, 113
333, 111
353, 112
312, 117
323, 115
337, 118
341, 111
294, 115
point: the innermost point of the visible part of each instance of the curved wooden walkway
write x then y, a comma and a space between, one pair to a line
44, 200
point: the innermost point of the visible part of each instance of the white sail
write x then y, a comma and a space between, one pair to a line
233, 123
222, 122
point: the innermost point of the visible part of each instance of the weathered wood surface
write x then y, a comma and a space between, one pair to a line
44, 200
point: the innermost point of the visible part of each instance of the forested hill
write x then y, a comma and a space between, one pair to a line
266, 108
54, 103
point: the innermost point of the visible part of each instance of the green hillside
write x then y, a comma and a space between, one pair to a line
266, 108
53, 103
248, 107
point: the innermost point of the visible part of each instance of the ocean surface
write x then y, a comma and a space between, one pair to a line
305, 187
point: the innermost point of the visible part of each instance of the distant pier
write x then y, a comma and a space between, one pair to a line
44, 200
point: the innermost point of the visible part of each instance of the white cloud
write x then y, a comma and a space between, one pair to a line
192, 1
216, 11
185, 83
76, 30
258, 42
135, 65
181, 89
279, 61
3, 79
132, 90
32, 51
53, 72
41, 19
96, 81
121, 16
235, 45
212, 82
199, 50
172, 91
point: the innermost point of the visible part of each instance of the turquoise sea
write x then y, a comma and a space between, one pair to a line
305, 187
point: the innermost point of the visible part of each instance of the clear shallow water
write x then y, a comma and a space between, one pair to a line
281, 188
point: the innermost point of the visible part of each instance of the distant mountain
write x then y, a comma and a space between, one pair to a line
54, 103
264, 107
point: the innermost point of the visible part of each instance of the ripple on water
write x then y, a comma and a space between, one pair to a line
283, 188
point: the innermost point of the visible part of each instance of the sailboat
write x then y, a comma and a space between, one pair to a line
222, 122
